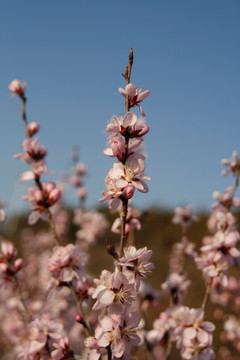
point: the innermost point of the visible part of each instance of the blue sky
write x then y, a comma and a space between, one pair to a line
72, 54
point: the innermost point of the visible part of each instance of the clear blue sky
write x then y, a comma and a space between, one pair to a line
72, 53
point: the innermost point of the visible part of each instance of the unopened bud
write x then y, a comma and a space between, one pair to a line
3, 267
54, 196
18, 265
79, 319
128, 192
33, 128
8, 250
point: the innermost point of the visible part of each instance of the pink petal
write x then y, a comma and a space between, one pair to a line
140, 185
27, 175
143, 95
122, 91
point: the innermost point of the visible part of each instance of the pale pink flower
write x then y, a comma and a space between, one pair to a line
184, 216
113, 288
225, 199
232, 164
177, 285
136, 265
223, 245
112, 194
17, 87
118, 331
193, 335
220, 220
216, 269
135, 95
39, 332
33, 151
67, 262
130, 173
128, 126
118, 149
38, 168
40, 200
62, 349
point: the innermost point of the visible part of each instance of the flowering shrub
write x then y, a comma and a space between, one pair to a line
52, 308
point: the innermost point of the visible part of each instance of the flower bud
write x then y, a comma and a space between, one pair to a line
79, 319
54, 196
128, 191
17, 87
18, 265
8, 250
33, 128
38, 197
3, 267
118, 148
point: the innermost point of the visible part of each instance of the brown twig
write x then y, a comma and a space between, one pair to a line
123, 225
207, 292
79, 307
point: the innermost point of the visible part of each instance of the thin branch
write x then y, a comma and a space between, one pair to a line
207, 292
21, 298
79, 307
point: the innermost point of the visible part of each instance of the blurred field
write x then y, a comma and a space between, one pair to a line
158, 234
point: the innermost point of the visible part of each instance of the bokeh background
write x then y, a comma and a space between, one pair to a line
72, 54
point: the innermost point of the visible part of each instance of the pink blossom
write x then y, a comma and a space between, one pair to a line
112, 194
232, 164
118, 147
17, 87
223, 245
130, 173
135, 95
226, 199
39, 332
136, 263
62, 349
33, 151
184, 216
177, 285
221, 220
128, 126
67, 262
120, 332
38, 168
113, 288
43, 198
193, 335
